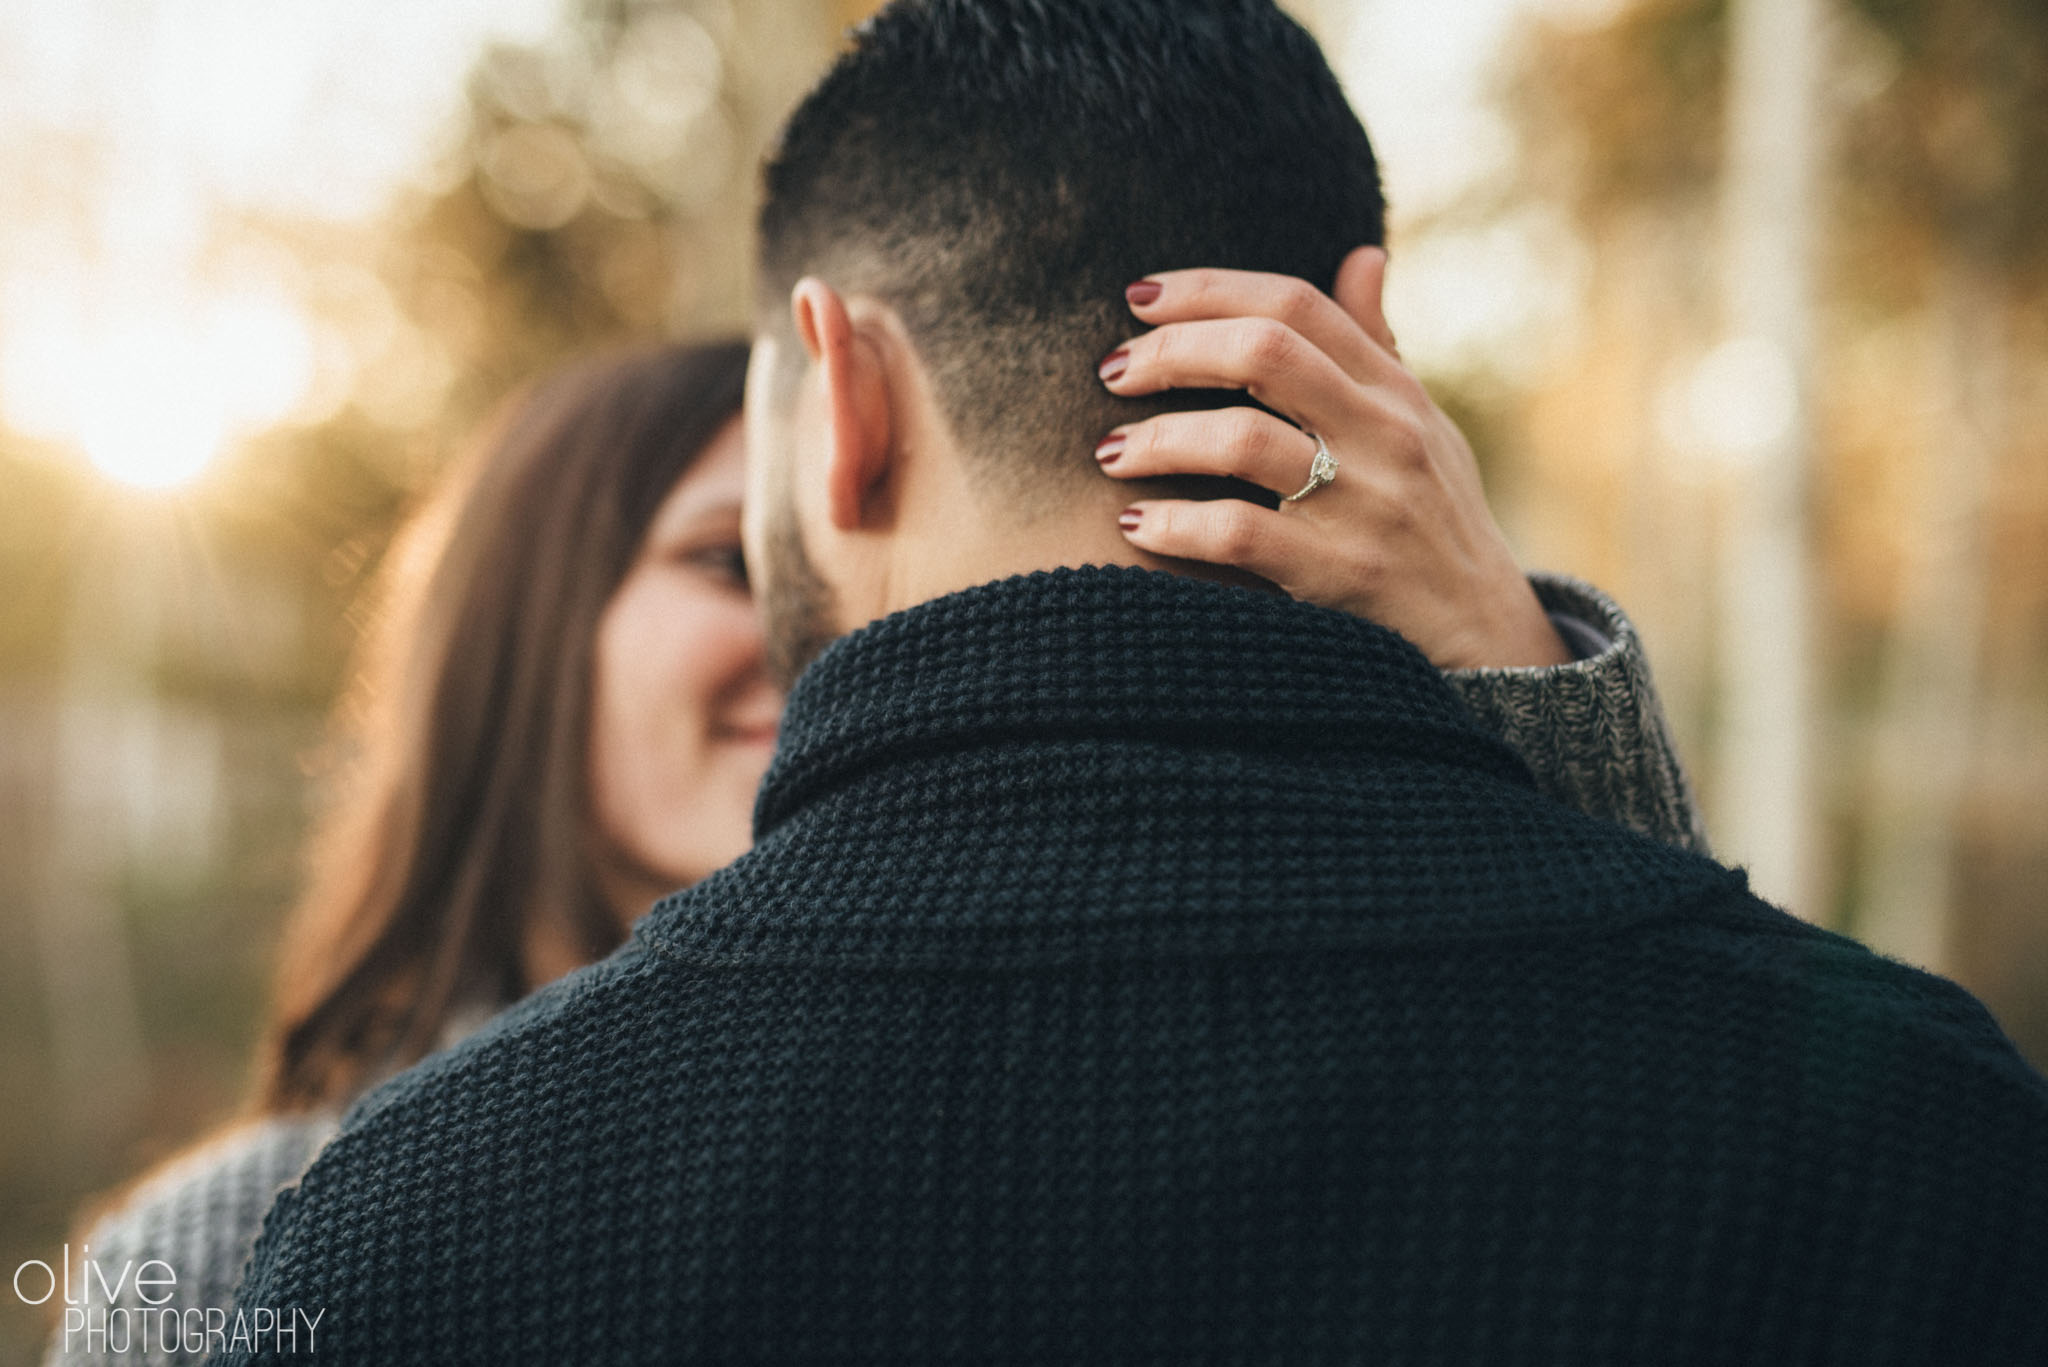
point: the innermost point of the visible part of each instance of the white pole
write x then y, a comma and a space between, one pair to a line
1763, 815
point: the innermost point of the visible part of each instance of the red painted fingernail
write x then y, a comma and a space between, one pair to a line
1129, 519
1110, 448
1143, 292
1114, 364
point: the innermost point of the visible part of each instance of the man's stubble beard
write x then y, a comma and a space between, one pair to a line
798, 609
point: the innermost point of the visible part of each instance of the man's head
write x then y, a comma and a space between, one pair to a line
950, 220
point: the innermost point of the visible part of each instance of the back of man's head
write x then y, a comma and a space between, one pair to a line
998, 170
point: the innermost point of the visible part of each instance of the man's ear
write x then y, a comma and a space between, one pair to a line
858, 437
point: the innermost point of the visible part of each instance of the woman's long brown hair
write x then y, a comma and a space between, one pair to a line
463, 818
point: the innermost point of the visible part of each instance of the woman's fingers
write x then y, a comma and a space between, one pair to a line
1225, 531
1196, 295
1241, 442
1267, 359
1403, 536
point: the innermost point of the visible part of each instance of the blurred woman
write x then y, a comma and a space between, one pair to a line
559, 714
562, 714
562, 717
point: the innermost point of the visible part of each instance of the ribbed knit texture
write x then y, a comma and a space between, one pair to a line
1141, 970
1592, 732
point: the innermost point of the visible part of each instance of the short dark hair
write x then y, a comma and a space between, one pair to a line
999, 170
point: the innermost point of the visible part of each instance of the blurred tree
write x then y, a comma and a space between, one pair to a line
1930, 511
1940, 105
599, 190
603, 189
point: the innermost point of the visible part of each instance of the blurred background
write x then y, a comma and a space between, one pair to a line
1743, 302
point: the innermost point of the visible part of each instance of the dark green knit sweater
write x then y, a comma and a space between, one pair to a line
1132, 969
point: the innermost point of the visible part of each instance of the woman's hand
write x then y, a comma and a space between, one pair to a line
1402, 536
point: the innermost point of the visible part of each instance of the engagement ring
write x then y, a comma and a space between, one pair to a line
1322, 470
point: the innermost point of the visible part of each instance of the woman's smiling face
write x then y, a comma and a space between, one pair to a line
683, 715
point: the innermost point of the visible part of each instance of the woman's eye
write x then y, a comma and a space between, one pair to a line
728, 564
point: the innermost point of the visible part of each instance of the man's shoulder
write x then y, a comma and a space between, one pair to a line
1850, 1020
468, 1144
471, 1113
552, 1037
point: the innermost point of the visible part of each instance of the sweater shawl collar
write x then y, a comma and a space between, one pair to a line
1115, 652
1100, 763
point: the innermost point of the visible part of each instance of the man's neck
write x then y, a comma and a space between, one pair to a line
991, 546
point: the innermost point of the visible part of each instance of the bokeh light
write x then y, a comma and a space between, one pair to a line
154, 389
188, 132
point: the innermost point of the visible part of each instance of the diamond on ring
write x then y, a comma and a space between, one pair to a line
1322, 470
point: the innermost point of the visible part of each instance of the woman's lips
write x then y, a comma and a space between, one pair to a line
746, 735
